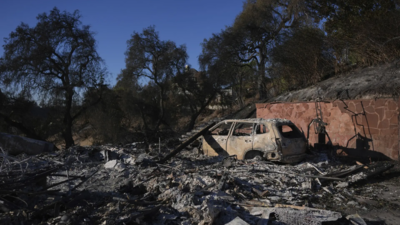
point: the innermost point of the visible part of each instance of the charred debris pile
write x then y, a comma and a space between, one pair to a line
125, 185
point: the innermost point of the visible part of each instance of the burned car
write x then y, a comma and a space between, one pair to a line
273, 139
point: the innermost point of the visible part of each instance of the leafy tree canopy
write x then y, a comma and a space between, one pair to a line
156, 61
57, 58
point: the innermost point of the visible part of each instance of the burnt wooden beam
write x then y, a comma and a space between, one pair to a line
186, 143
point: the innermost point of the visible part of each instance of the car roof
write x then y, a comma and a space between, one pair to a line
259, 120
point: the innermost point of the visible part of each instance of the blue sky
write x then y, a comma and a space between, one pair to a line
182, 21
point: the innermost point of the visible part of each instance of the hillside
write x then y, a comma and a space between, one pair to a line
362, 83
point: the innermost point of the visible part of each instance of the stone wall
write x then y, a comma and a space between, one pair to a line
361, 127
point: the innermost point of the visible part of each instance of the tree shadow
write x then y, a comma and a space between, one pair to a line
364, 149
215, 145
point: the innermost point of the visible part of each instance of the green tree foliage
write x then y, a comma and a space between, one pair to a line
302, 58
104, 120
196, 90
361, 32
25, 115
240, 55
156, 62
244, 79
218, 58
54, 62
259, 27
294, 43
220, 62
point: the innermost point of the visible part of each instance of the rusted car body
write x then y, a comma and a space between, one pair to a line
273, 139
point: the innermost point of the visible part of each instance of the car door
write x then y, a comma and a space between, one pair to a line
241, 139
292, 140
215, 141
264, 140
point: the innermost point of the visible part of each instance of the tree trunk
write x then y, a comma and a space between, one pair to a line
69, 141
67, 133
145, 130
193, 118
240, 97
261, 75
161, 116
195, 115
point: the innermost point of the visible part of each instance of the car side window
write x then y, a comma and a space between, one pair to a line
261, 129
243, 129
222, 129
289, 131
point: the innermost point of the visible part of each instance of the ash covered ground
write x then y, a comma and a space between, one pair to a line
126, 185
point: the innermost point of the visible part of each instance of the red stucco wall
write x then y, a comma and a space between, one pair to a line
374, 122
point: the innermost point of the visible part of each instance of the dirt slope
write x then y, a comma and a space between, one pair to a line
362, 83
